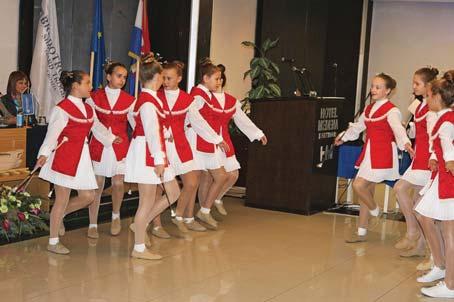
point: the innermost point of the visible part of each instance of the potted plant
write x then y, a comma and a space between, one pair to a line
263, 72
264, 84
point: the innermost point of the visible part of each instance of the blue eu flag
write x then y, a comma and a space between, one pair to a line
97, 45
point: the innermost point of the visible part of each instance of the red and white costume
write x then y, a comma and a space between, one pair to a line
226, 108
147, 147
418, 173
70, 165
176, 104
114, 109
438, 199
378, 160
200, 129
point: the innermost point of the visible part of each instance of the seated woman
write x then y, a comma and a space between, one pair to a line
5, 116
18, 84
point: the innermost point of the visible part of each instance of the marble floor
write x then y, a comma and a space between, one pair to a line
256, 255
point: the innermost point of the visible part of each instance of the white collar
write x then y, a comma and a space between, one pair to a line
176, 91
112, 90
150, 91
205, 89
153, 93
380, 102
441, 112
74, 99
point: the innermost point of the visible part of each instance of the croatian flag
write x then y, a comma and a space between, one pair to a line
140, 40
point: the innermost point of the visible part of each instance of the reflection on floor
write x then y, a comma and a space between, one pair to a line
256, 255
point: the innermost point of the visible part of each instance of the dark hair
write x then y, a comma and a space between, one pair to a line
390, 83
177, 65
207, 68
223, 77
449, 73
68, 78
15, 77
427, 74
445, 88
149, 67
110, 67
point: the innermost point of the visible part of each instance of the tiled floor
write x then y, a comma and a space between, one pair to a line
256, 255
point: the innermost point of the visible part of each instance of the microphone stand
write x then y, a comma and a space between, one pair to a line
297, 91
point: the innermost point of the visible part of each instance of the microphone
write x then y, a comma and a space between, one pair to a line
296, 69
287, 60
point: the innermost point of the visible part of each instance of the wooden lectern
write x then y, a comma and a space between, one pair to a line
296, 171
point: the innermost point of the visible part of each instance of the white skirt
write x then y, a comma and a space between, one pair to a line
231, 163
431, 206
378, 175
179, 167
136, 170
109, 166
417, 177
84, 178
202, 160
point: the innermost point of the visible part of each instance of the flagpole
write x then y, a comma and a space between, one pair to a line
136, 86
92, 65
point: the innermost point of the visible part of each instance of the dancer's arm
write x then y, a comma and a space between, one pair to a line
151, 128
57, 122
395, 121
200, 125
244, 123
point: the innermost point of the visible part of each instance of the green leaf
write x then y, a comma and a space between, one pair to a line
259, 92
275, 67
268, 75
255, 72
249, 44
266, 45
255, 62
273, 43
264, 62
275, 89
246, 74
251, 94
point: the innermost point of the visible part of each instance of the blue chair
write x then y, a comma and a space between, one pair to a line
348, 155
346, 169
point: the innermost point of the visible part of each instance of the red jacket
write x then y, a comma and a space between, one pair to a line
445, 179
67, 157
421, 160
379, 136
218, 118
115, 118
174, 119
143, 98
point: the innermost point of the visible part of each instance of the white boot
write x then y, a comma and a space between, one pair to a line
438, 291
434, 274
